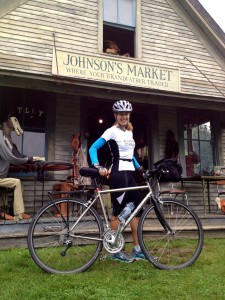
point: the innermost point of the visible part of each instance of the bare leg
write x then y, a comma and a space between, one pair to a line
114, 222
134, 226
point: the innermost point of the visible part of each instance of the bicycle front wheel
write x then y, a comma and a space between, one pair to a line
56, 246
171, 250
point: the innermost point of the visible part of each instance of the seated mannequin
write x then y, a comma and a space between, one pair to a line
9, 154
79, 160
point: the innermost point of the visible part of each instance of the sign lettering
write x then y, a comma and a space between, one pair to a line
115, 70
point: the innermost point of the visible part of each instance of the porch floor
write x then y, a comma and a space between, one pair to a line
14, 233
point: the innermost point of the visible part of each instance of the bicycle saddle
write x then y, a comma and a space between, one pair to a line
89, 172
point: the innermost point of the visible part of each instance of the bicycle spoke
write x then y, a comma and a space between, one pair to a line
176, 249
57, 247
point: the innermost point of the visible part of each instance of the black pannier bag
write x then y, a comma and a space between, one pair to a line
168, 170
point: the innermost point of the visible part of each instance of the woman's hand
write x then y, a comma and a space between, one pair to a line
102, 170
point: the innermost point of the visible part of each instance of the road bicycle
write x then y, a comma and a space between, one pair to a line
169, 231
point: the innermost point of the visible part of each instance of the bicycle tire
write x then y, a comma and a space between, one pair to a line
171, 251
57, 250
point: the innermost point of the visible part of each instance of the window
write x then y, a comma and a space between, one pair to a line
120, 12
29, 108
199, 144
119, 22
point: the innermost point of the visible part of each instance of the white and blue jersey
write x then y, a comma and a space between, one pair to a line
121, 144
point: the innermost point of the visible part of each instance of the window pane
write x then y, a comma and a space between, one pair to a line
205, 131
192, 157
34, 143
110, 11
30, 143
194, 131
206, 158
120, 12
127, 13
195, 155
198, 142
17, 140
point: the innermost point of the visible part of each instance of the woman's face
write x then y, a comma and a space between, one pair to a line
122, 118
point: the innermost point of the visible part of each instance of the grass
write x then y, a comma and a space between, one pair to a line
21, 279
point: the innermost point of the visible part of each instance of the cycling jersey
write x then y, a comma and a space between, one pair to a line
121, 144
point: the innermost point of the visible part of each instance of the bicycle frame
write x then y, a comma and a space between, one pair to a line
99, 192
122, 225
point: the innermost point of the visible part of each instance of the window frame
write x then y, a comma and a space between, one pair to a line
20, 100
183, 139
137, 33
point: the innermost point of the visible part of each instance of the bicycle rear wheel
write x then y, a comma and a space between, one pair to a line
56, 247
176, 250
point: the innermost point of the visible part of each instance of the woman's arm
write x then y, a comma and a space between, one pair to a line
93, 151
135, 162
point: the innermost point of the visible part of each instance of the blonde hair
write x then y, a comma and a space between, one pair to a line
129, 126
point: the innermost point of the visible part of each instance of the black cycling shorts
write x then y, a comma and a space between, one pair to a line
122, 179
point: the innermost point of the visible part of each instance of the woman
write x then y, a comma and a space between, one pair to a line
121, 143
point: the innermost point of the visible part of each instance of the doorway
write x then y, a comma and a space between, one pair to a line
99, 117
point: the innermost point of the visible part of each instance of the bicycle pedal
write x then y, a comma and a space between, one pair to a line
103, 257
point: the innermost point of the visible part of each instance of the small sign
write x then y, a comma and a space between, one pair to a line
115, 70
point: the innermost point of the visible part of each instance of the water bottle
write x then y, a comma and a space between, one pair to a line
126, 211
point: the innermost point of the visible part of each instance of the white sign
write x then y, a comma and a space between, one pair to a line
115, 70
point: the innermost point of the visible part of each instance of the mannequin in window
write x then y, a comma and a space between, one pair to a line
172, 148
79, 160
112, 48
9, 154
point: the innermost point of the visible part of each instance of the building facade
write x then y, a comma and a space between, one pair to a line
64, 63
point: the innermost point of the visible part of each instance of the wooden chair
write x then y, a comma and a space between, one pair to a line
168, 189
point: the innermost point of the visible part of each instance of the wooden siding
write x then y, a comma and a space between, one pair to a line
67, 123
30, 49
7, 6
167, 40
26, 40
223, 146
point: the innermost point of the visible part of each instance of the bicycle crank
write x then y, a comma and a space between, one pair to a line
109, 241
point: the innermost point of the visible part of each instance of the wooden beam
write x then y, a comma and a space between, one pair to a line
7, 6
113, 92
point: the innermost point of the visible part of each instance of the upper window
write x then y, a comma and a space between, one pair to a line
119, 17
121, 12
